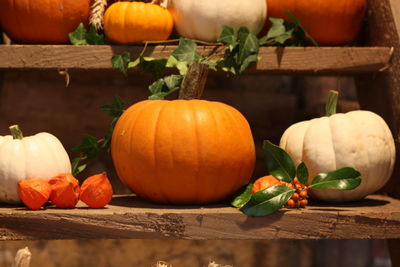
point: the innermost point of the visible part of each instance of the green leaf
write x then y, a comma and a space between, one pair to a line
279, 34
93, 38
83, 37
302, 173
182, 66
248, 44
157, 86
173, 82
78, 37
279, 163
165, 86
135, 63
243, 197
74, 166
247, 62
331, 103
115, 109
268, 201
342, 179
153, 66
121, 62
88, 147
228, 37
300, 33
212, 64
186, 51
277, 28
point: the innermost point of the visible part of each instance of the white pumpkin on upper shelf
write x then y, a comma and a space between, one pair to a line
359, 139
39, 156
203, 19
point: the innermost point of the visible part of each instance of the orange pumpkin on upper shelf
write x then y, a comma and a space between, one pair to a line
328, 22
130, 22
42, 21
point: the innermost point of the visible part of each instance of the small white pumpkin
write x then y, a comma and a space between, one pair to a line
39, 156
202, 19
358, 139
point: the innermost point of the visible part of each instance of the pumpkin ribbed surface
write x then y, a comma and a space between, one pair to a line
358, 139
328, 22
42, 21
129, 22
39, 156
183, 151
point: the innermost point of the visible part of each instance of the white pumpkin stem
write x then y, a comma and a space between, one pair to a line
163, 3
97, 13
16, 132
331, 103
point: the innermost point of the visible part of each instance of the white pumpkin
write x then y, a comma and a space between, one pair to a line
39, 156
358, 139
202, 19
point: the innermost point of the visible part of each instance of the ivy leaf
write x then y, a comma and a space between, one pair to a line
279, 163
212, 64
93, 38
153, 66
302, 173
135, 63
165, 86
83, 37
248, 44
115, 109
300, 33
268, 201
186, 51
75, 168
121, 62
243, 197
248, 61
78, 37
88, 147
228, 37
278, 34
343, 179
182, 66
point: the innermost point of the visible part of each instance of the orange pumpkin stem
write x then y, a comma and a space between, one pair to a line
193, 84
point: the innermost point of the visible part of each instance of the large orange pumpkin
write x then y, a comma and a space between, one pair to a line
129, 22
183, 151
42, 21
329, 22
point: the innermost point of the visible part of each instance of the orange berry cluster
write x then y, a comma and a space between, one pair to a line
63, 191
300, 197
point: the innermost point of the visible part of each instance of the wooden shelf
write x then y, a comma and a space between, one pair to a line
290, 60
130, 217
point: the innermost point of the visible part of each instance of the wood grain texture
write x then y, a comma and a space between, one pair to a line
291, 60
380, 92
129, 217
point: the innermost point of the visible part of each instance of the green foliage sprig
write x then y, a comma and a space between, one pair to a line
81, 36
234, 53
282, 167
91, 146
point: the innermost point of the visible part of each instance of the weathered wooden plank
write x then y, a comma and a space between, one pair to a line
129, 217
291, 60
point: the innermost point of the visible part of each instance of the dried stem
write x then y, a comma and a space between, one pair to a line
97, 13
